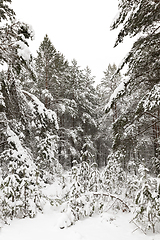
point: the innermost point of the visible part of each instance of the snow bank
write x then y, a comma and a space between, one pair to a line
102, 227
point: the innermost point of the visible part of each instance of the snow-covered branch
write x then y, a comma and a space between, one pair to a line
119, 91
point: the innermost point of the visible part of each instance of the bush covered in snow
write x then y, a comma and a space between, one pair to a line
143, 192
147, 200
89, 191
20, 184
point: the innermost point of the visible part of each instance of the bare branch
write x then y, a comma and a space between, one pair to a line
110, 195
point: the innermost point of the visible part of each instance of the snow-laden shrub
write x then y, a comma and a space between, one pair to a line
132, 187
87, 194
79, 200
20, 185
20, 189
147, 199
47, 160
113, 176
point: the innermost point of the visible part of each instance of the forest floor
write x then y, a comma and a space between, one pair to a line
99, 227
47, 226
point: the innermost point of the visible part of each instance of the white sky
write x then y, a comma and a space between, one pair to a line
79, 29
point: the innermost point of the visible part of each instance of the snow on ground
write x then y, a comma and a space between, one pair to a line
100, 227
46, 226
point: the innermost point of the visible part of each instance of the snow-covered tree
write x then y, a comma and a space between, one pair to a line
105, 89
49, 67
80, 198
113, 174
14, 34
47, 160
147, 200
21, 183
138, 128
24, 123
6, 12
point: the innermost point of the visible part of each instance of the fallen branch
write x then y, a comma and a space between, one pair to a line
137, 227
112, 196
111, 205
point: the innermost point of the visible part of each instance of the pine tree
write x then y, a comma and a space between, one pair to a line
143, 19
76, 113
142, 77
104, 136
13, 35
81, 90
109, 82
22, 119
49, 67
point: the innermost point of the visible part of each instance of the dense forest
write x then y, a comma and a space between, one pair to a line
99, 142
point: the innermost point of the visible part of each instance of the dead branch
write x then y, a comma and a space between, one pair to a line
137, 227
112, 196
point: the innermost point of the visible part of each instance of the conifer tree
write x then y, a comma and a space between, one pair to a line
22, 118
104, 136
76, 112
49, 66
13, 35
6, 13
139, 123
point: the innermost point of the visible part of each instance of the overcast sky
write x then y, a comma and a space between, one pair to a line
79, 29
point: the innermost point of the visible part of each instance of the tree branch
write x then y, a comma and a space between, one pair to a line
110, 195
151, 115
147, 128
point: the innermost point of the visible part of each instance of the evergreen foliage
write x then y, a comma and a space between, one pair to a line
136, 131
20, 184
69, 91
5, 11
52, 118
50, 66
144, 190
47, 160
105, 89
113, 174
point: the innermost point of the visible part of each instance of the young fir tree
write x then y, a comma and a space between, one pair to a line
85, 179
20, 185
147, 200
47, 160
113, 174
